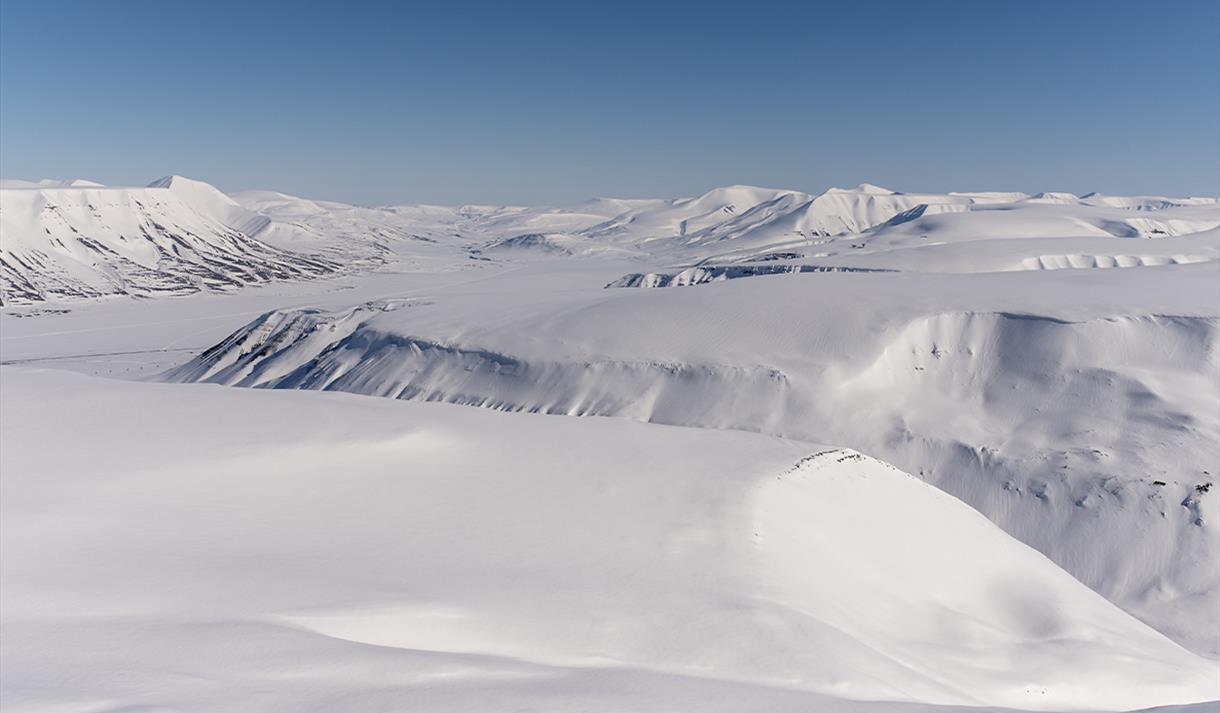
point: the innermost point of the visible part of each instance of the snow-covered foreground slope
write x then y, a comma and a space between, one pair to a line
199, 548
174, 237
1079, 409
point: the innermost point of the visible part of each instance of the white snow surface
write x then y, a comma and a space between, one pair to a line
1046, 368
339, 553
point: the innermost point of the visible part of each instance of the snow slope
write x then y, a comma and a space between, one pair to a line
1050, 400
375, 554
174, 237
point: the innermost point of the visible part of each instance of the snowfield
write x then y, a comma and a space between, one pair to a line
359, 548
867, 450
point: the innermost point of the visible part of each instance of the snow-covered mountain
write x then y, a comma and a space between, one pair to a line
76, 239
737, 218
176, 236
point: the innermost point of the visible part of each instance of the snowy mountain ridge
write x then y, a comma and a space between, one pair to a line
174, 237
77, 239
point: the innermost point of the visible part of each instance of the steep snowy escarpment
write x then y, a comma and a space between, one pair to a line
717, 273
174, 237
708, 273
1088, 430
994, 242
379, 554
340, 352
1077, 262
978, 242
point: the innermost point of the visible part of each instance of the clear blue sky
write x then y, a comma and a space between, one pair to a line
535, 102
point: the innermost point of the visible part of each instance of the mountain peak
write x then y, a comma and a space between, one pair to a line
176, 181
867, 188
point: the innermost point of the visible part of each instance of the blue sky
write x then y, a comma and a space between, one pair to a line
536, 102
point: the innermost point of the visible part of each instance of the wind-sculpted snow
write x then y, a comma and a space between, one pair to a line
382, 555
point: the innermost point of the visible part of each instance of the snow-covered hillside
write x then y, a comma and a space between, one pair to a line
174, 237
1079, 419
368, 551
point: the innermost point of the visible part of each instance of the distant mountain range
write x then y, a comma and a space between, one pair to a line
78, 239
